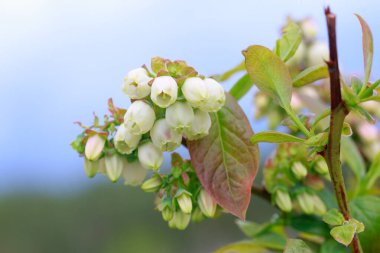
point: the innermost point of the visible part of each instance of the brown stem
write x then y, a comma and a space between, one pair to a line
339, 112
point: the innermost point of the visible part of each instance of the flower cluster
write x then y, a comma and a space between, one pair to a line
294, 181
180, 196
169, 105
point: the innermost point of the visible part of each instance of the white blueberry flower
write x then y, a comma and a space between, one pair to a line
126, 142
216, 96
139, 118
306, 202
309, 29
150, 156
318, 53
181, 220
114, 166
200, 125
179, 116
195, 91
184, 201
299, 170
165, 137
134, 173
91, 167
319, 205
94, 147
164, 91
283, 200
207, 204
136, 84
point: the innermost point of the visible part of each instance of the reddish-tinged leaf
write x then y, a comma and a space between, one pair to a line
367, 47
226, 161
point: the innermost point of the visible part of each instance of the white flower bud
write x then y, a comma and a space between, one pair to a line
167, 213
195, 91
114, 166
181, 220
139, 118
207, 204
150, 156
309, 29
184, 201
165, 137
299, 170
133, 173
136, 83
200, 126
283, 200
179, 116
317, 53
152, 184
94, 147
306, 202
299, 56
319, 205
321, 167
91, 167
164, 91
126, 142
216, 96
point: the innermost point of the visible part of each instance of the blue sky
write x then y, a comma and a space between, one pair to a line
61, 60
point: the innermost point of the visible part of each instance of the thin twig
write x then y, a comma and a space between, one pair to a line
339, 112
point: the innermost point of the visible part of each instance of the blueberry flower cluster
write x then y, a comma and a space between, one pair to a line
169, 105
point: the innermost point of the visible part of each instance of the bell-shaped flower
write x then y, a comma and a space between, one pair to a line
164, 91
125, 141
164, 137
283, 200
319, 205
318, 53
200, 125
306, 202
139, 118
94, 147
195, 91
136, 84
133, 173
206, 203
91, 167
321, 167
152, 184
299, 170
179, 116
184, 200
114, 166
216, 96
181, 220
150, 156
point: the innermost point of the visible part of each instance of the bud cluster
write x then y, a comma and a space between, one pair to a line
180, 196
295, 182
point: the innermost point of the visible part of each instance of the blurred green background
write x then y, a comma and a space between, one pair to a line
107, 218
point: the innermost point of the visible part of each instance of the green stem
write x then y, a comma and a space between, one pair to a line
367, 92
319, 118
298, 122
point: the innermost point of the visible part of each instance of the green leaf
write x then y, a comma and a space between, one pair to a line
309, 224
311, 75
344, 233
372, 175
320, 139
269, 73
363, 113
241, 87
330, 246
242, 247
367, 210
297, 246
252, 229
351, 155
226, 75
356, 84
288, 44
275, 137
333, 217
367, 47
77, 144
225, 160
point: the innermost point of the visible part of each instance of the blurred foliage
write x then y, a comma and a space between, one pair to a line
105, 219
